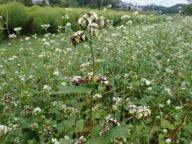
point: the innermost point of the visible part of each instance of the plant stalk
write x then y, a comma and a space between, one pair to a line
93, 58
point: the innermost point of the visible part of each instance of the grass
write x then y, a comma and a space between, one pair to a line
147, 65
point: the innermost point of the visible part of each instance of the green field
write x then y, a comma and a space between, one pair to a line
148, 66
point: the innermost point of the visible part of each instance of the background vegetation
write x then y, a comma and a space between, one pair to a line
31, 18
66, 3
188, 10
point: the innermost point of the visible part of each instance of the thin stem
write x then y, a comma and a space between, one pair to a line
91, 98
91, 114
93, 58
6, 23
178, 128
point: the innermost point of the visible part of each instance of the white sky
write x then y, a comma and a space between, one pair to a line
157, 2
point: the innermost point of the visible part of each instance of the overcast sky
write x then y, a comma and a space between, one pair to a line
157, 2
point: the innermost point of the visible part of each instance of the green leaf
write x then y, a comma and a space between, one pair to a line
97, 140
167, 124
187, 128
117, 132
74, 89
79, 125
114, 132
65, 141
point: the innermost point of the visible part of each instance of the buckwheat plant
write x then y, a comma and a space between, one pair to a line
18, 31
45, 27
93, 23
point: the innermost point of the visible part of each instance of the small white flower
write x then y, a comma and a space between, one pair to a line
68, 25
168, 140
45, 26
125, 17
12, 36
82, 138
66, 137
54, 141
168, 91
165, 131
36, 110
97, 96
56, 73
63, 83
18, 29
178, 108
168, 102
4, 130
136, 13
46, 44
161, 106
47, 87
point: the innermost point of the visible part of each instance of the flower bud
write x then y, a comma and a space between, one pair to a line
82, 22
94, 29
101, 22
78, 37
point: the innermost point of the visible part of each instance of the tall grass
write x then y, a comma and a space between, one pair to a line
18, 15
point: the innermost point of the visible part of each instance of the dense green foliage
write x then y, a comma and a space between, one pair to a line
188, 10
146, 64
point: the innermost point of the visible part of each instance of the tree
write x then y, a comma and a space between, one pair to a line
97, 3
188, 10
54, 2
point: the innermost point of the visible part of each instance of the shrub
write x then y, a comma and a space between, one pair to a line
45, 15
17, 15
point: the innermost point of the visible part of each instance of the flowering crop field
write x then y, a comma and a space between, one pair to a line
130, 84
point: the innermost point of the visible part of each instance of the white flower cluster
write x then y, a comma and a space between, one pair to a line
1, 17
117, 101
78, 80
4, 130
54, 141
36, 111
45, 26
168, 140
17, 29
47, 87
12, 36
56, 72
78, 37
65, 17
68, 26
91, 18
91, 21
97, 96
139, 111
108, 120
27, 110
81, 140
147, 82
125, 17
